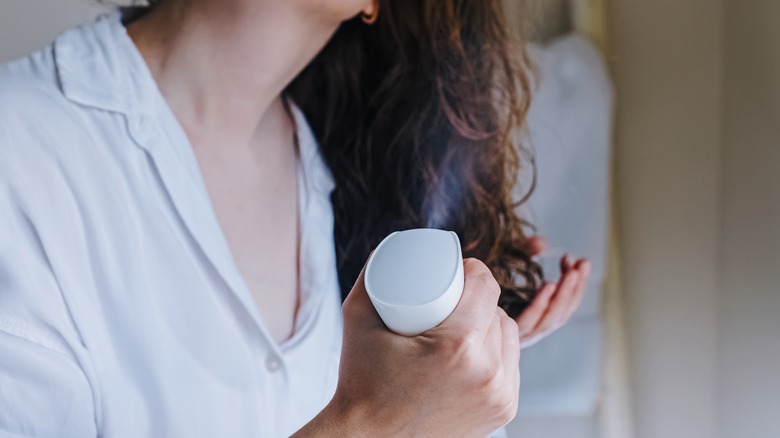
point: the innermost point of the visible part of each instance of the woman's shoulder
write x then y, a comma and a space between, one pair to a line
57, 100
42, 135
30, 95
37, 122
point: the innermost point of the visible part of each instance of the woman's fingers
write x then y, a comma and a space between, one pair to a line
583, 267
569, 292
358, 309
534, 246
494, 340
511, 340
511, 352
556, 302
529, 319
565, 300
477, 306
566, 264
559, 305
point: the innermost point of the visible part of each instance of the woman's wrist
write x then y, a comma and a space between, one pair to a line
340, 419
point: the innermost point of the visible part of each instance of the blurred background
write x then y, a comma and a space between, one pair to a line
656, 129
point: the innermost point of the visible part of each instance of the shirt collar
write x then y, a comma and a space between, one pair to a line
99, 66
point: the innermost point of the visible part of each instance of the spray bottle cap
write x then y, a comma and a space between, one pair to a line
415, 279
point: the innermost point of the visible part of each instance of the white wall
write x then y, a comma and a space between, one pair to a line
698, 148
748, 397
666, 57
26, 25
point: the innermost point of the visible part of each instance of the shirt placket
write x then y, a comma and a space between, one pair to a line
192, 205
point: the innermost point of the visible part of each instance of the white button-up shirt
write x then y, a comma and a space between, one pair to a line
122, 313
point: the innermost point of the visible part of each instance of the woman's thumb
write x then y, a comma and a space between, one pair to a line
358, 309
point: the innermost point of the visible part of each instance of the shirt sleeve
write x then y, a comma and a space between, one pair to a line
44, 391
500, 433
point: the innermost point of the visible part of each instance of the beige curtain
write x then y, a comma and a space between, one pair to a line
589, 18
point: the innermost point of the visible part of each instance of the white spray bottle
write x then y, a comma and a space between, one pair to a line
415, 279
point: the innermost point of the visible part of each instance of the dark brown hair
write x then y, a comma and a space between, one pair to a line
416, 116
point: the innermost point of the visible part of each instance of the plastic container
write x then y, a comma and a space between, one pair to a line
415, 279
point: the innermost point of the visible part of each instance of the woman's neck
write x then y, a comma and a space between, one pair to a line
222, 64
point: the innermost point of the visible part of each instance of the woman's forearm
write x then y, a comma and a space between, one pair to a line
337, 421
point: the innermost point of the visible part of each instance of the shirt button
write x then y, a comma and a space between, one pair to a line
273, 363
139, 123
141, 129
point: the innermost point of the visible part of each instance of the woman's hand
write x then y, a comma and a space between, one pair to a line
458, 379
555, 303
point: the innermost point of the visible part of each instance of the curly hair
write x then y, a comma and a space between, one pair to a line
417, 117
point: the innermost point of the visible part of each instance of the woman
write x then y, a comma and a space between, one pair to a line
173, 232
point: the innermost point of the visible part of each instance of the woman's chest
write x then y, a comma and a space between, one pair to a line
173, 334
255, 200
171, 339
